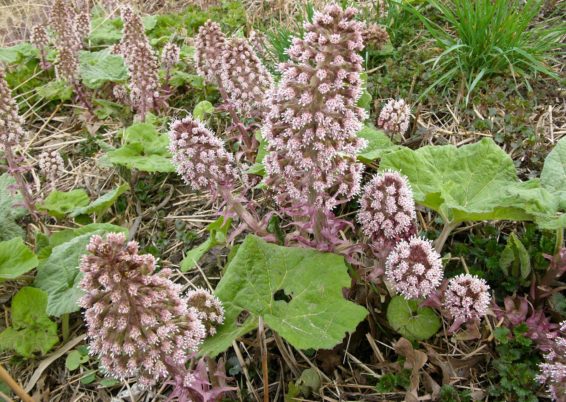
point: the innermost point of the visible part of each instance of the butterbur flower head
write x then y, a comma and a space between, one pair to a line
120, 93
395, 116
137, 322
82, 24
67, 66
170, 55
11, 123
245, 78
51, 164
553, 369
39, 36
387, 207
257, 40
209, 48
414, 268
207, 307
467, 297
313, 119
62, 21
375, 36
199, 156
143, 66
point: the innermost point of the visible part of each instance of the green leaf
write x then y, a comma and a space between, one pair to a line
98, 68
56, 90
180, 78
15, 259
9, 212
17, 53
58, 274
106, 109
515, 256
259, 280
410, 320
101, 205
472, 183
144, 149
74, 359
553, 175
201, 109
31, 330
218, 231
377, 144
58, 203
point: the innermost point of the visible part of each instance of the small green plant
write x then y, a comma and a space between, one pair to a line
486, 38
516, 366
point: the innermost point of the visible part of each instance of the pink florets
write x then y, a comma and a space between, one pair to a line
467, 297
553, 370
207, 307
313, 117
210, 44
138, 324
414, 268
244, 77
170, 55
387, 208
199, 156
395, 116
11, 123
51, 164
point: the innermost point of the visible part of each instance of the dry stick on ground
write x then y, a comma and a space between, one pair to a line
263, 349
17, 388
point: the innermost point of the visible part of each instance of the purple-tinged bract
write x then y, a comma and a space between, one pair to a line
395, 116
245, 78
138, 324
414, 268
199, 156
553, 370
207, 307
210, 44
467, 297
387, 207
313, 115
11, 123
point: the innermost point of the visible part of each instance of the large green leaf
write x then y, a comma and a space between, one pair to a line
98, 68
144, 149
59, 203
474, 182
15, 259
101, 204
31, 330
56, 90
59, 274
297, 291
17, 53
378, 143
9, 210
553, 175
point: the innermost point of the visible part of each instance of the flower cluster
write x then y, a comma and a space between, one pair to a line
82, 25
257, 40
414, 268
39, 38
63, 23
210, 44
387, 208
466, 297
138, 324
313, 118
11, 123
207, 307
395, 116
244, 77
199, 156
170, 55
51, 164
143, 66
375, 36
553, 370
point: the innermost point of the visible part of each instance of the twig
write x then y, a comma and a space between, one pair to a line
263, 349
17, 388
